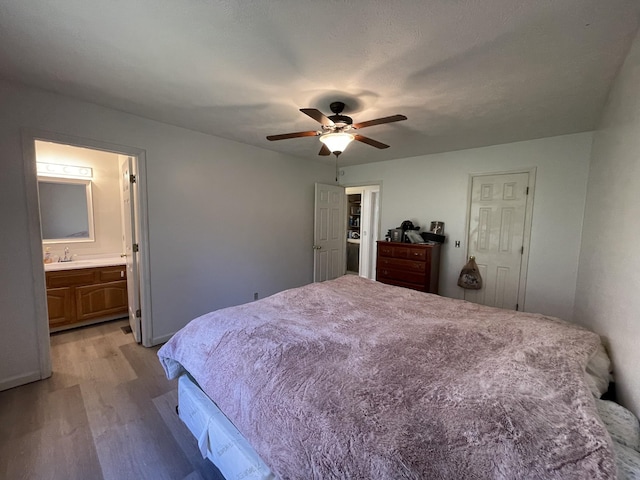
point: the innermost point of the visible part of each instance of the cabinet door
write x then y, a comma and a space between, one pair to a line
94, 301
59, 304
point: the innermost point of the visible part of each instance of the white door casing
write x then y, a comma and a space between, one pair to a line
498, 236
129, 242
369, 227
329, 238
29, 137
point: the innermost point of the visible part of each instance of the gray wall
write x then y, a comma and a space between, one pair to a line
435, 187
608, 290
225, 219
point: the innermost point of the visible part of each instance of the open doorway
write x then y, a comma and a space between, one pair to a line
95, 246
363, 225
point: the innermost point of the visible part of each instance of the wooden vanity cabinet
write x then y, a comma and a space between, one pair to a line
87, 295
415, 266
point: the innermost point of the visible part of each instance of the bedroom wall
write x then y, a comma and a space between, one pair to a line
225, 219
608, 289
435, 187
105, 189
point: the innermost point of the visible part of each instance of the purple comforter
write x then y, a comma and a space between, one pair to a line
354, 379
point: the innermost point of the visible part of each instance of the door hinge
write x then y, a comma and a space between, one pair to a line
132, 178
522, 250
138, 313
517, 307
135, 247
527, 193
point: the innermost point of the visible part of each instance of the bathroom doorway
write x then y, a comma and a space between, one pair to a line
363, 225
54, 151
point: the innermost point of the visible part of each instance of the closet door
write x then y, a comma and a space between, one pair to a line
497, 237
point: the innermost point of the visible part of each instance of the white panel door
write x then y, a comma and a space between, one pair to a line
128, 197
497, 237
329, 240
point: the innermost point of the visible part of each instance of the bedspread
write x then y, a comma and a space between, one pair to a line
355, 379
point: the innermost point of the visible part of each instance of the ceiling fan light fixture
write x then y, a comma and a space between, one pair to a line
337, 142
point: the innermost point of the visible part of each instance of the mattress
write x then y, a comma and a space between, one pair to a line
218, 439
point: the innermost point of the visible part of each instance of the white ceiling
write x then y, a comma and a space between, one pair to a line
466, 73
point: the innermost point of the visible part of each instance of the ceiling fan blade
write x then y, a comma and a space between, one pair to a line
379, 121
318, 116
370, 141
324, 151
310, 133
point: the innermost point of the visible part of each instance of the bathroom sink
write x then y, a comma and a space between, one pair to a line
84, 263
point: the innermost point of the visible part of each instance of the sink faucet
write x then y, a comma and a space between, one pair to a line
67, 257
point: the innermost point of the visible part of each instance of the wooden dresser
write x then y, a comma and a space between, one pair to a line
409, 265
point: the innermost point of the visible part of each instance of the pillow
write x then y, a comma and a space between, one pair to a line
627, 461
598, 373
623, 426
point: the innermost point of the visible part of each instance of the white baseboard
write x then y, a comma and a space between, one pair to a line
162, 339
18, 380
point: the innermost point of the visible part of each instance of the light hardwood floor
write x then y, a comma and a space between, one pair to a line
107, 412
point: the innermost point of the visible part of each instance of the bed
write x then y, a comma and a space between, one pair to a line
355, 379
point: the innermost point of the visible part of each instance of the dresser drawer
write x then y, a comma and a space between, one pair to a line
385, 249
404, 276
410, 253
400, 264
388, 249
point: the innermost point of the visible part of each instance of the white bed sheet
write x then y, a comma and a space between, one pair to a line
218, 438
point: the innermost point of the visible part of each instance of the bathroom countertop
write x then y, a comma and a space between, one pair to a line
85, 263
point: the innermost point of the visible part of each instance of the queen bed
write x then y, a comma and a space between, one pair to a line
355, 379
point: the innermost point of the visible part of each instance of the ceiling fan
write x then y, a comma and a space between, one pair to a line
336, 130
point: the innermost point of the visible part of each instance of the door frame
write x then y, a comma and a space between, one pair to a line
370, 263
528, 218
29, 137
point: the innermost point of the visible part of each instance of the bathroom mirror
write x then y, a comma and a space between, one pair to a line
66, 210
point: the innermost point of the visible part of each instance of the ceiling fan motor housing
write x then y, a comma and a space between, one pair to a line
337, 107
341, 121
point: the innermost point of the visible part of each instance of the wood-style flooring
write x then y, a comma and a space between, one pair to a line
107, 412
